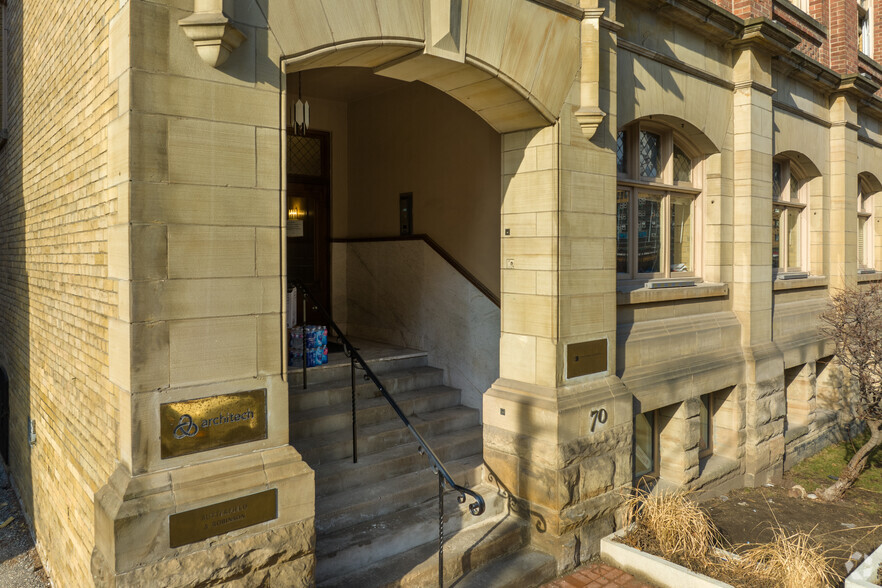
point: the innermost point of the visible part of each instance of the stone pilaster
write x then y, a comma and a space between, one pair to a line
763, 389
557, 437
193, 249
842, 232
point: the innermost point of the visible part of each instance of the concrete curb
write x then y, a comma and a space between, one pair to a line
661, 572
865, 576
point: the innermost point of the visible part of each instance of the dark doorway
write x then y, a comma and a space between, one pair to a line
309, 219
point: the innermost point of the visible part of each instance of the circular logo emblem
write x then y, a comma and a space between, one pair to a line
186, 427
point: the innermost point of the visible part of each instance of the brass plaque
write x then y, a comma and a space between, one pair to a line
223, 517
197, 425
588, 357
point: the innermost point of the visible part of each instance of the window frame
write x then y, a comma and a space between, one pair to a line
792, 201
865, 27
866, 260
664, 187
653, 474
708, 429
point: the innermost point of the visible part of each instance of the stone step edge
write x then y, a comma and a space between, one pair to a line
422, 559
408, 449
369, 404
346, 383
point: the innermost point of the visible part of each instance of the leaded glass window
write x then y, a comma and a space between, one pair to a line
682, 166
656, 225
304, 155
621, 155
650, 154
787, 218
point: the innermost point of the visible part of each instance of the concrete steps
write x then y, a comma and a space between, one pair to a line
465, 552
377, 520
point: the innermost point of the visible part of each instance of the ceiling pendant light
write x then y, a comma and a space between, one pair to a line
301, 109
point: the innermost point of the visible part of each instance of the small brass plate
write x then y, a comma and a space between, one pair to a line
209, 423
588, 357
223, 517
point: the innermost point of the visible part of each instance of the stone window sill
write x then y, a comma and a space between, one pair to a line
869, 276
714, 467
638, 292
791, 282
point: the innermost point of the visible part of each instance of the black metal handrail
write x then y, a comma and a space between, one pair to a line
476, 508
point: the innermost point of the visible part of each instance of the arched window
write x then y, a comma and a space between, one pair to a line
659, 183
790, 198
865, 234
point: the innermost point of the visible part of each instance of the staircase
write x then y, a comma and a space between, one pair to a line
377, 520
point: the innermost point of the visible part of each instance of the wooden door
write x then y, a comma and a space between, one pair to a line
309, 220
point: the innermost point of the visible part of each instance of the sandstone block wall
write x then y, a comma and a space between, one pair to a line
55, 298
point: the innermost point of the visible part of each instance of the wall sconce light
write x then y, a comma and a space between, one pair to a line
295, 214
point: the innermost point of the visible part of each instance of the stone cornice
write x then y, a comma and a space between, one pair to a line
801, 113
701, 15
857, 86
767, 35
674, 64
561, 7
810, 70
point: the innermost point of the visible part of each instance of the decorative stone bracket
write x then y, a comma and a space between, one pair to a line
213, 35
589, 114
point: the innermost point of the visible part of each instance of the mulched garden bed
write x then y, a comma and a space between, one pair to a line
852, 525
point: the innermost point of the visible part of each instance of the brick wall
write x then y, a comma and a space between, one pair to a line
814, 40
843, 31
55, 299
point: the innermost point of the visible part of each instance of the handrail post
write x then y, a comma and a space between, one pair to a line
440, 530
354, 426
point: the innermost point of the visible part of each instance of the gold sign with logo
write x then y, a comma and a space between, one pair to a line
216, 519
197, 425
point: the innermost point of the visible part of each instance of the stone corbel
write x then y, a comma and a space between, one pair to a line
589, 114
213, 34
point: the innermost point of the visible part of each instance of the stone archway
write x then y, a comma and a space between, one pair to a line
492, 56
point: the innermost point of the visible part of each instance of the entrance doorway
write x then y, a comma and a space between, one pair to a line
309, 219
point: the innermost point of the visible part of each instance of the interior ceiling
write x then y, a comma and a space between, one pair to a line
343, 84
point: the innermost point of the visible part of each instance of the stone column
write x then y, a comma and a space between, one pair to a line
679, 436
197, 346
800, 392
763, 388
557, 424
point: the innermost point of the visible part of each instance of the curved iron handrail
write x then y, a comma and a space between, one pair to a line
477, 507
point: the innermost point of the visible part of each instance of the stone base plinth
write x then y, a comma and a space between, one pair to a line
132, 543
564, 456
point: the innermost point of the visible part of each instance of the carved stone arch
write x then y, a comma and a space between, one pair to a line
805, 168
869, 182
492, 56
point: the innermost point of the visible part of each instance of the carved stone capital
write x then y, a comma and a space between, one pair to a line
589, 119
213, 34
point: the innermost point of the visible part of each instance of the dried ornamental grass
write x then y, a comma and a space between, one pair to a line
788, 561
681, 528
674, 527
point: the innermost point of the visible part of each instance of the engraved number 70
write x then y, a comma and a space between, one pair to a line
598, 415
